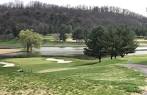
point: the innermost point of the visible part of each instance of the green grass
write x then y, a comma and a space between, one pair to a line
14, 43
49, 38
87, 78
142, 59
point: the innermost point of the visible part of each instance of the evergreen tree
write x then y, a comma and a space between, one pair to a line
95, 43
112, 41
126, 40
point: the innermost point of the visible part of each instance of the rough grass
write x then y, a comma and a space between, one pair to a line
138, 59
89, 77
14, 43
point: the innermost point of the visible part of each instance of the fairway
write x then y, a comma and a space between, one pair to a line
84, 76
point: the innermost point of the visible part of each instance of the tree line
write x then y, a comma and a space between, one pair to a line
113, 42
101, 41
45, 19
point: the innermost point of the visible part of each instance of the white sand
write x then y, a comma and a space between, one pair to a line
5, 64
58, 60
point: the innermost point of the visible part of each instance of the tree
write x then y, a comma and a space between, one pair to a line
30, 39
96, 43
62, 33
116, 41
120, 41
112, 41
78, 34
126, 40
46, 18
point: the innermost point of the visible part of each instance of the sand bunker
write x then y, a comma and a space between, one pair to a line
58, 60
5, 64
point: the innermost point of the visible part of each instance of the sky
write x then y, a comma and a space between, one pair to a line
138, 6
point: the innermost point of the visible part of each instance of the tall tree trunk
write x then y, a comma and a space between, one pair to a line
112, 53
31, 48
111, 56
27, 48
115, 56
99, 59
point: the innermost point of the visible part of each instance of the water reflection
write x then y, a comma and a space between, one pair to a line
60, 50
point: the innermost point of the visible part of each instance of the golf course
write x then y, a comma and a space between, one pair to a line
73, 47
70, 75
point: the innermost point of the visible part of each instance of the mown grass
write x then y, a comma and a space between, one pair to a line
15, 43
88, 78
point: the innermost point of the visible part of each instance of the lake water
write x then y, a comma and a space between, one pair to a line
60, 50
77, 51
140, 51
69, 51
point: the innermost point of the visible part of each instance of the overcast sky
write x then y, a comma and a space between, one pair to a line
138, 6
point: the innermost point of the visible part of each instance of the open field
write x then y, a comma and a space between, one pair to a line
84, 76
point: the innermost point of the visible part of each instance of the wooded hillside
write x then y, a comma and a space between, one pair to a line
45, 18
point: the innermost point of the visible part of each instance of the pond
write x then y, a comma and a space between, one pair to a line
139, 51
68, 51
60, 50
77, 51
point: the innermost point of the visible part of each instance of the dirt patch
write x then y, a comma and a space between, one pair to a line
7, 51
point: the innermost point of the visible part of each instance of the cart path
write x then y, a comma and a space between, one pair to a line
138, 67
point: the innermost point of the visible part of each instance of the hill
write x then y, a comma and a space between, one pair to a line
45, 18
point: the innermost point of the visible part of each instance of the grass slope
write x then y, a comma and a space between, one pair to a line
89, 77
